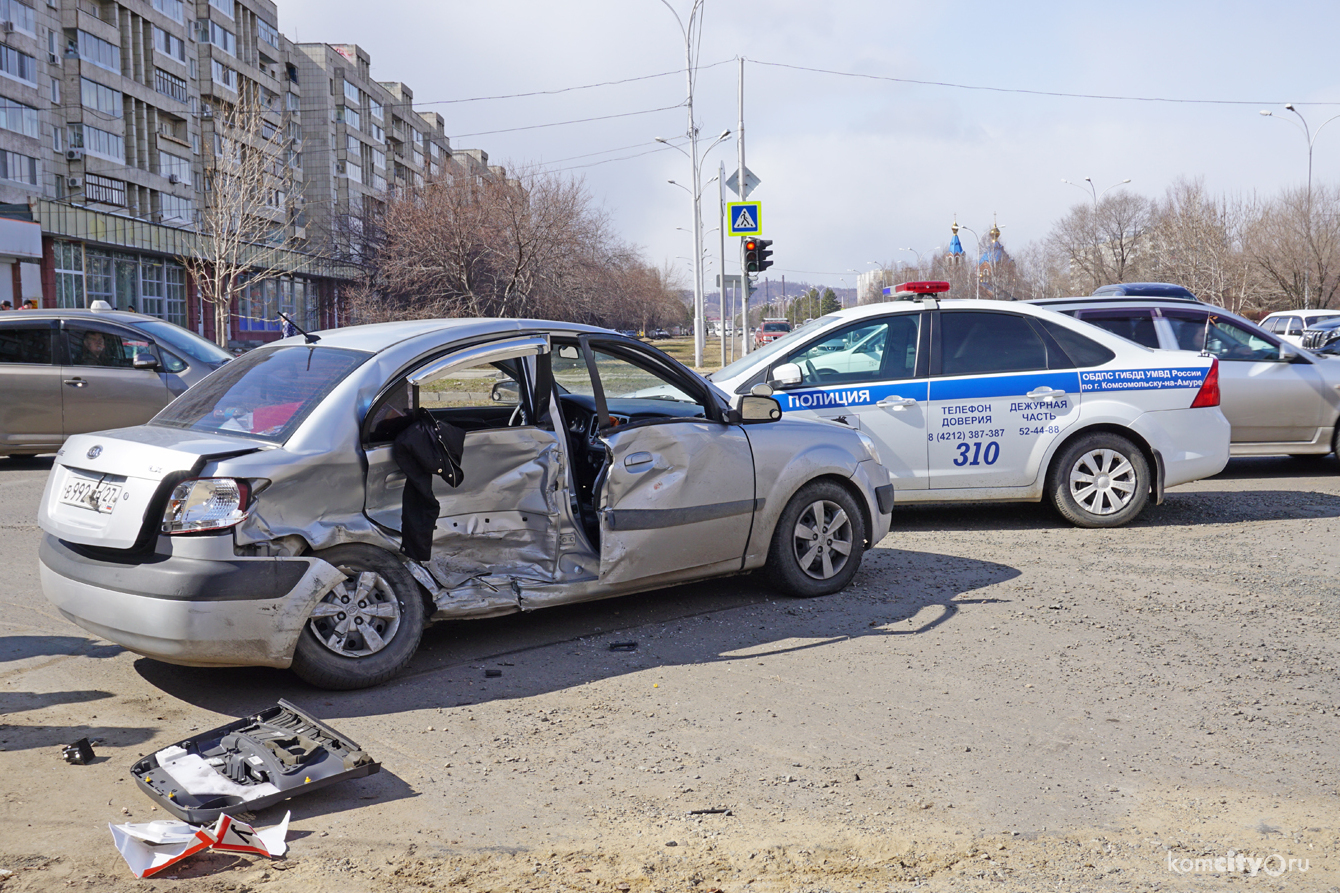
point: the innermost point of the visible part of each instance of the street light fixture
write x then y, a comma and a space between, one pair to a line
1094, 191
976, 267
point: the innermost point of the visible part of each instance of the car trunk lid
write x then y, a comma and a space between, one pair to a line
108, 489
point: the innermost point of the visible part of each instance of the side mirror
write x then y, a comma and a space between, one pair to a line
786, 375
759, 409
1289, 353
506, 392
144, 360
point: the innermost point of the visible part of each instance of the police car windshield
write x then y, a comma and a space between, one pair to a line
765, 353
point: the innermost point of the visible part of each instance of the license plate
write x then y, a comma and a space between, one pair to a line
87, 493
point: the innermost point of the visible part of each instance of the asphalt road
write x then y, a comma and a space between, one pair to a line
999, 698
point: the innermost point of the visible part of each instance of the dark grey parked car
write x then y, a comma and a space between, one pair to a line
65, 372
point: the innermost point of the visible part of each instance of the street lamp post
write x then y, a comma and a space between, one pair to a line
976, 272
696, 194
1093, 190
1311, 138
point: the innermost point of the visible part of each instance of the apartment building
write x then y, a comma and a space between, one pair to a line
109, 113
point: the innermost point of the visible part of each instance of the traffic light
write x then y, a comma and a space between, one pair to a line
757, 254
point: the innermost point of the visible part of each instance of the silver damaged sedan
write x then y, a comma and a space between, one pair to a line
257, 520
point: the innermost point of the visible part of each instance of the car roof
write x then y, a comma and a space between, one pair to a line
122, 316
1117, 300
377, 337
1146, 290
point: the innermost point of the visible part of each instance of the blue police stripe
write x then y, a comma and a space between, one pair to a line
1002, 385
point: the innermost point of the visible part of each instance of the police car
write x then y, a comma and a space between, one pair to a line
973, 400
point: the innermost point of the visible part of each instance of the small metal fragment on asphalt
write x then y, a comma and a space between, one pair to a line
623, 646
715, 811
672, 843
491, 673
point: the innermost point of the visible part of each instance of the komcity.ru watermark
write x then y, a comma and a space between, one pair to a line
1273, 865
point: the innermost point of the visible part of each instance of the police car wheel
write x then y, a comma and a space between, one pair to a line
1099, 480
367, 628
817, 544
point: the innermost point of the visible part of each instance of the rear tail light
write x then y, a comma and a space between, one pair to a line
1208, 395
206, 504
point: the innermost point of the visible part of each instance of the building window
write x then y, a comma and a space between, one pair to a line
98, 142
267, 33
377, 133
224, 75
291, 101
170, 8
170, 85
151, 287
98, 277
169, 45
176, 208
379, 159
375, 108
55, 90
353, 171
58, 138
222, 38
353, 94
174, 309
18, 65
68, 259
351, 144
104, 99
99, 52
225, 7
18, 117
170, 165
348, 116
104, 190
21, 14
18, 168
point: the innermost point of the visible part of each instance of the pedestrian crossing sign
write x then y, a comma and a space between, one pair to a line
744, 218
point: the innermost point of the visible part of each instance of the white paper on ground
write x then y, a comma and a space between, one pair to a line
145, 858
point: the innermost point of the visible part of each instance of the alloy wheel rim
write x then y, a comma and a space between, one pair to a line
822, 540
1102, 481
358, 617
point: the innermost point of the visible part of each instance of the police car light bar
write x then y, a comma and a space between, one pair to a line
931, 287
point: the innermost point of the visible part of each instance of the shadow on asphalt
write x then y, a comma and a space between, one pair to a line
26, 463
1250, 467
559, 648
21, 647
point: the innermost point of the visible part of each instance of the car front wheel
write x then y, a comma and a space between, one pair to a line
367, 628
817, 544
1100, 480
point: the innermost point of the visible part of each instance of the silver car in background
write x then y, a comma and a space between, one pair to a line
258, 519
1279, 399
65, 372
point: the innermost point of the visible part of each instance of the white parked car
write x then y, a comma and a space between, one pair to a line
1289, 325
984, 400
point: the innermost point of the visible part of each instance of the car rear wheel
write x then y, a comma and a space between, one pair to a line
1099, 480
817, 544
367, 628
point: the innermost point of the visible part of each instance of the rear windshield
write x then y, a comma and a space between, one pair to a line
264, 394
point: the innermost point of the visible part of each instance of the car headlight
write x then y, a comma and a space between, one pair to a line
206, 504
870, 447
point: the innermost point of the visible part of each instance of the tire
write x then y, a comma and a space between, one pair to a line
1099, 480
807, 559
366, 629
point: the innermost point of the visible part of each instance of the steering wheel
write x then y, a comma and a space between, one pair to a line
518, 417
811, 374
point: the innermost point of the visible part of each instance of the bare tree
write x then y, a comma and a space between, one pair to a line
1296, 244
1196, 240
243, 237
1101, 242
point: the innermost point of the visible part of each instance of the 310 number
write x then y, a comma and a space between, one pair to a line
974, 454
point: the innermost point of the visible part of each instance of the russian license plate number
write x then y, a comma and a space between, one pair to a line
91, 494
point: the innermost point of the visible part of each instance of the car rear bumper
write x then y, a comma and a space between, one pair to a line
206, 607
1193, 443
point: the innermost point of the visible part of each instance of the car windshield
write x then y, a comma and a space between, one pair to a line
263, 394
189, 343
777, 327
771, 349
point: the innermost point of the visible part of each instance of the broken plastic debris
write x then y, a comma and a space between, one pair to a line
80, 753
149, 847
492, 673
623, 646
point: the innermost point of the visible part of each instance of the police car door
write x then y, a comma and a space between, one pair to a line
995, 406
865, 375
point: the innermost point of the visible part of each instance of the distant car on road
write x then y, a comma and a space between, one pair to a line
1323, 336
64, 372
268, 518
1280, 400
770, 330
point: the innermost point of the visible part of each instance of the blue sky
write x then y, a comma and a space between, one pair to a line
857, 169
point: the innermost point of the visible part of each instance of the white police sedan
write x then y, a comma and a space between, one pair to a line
973, 400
